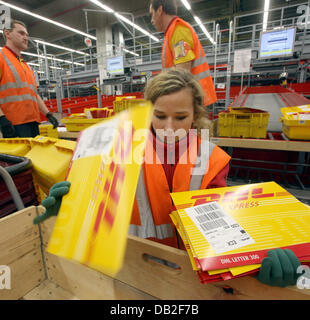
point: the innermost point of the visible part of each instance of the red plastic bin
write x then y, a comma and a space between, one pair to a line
20, 169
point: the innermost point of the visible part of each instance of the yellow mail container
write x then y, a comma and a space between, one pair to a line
125, 97
47, 130
96, 113
16, 146
243, 123
92, 224
78, 122
50, 159
296, 122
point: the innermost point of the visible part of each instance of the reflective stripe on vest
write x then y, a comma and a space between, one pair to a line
202, 75
164, 54
196, 179
199, 61
15, 85
18, 98
148, 229
33, 87
18, 84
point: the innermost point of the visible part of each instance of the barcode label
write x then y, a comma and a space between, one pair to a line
97, 140
221, 231
213, 225
208, 216
206, 208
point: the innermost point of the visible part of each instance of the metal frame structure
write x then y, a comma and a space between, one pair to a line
237, 36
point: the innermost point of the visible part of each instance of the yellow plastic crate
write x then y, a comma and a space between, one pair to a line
243, 123
125, 97
296, 122
47, 130
50, 160
16, 146
78, 123
91, 113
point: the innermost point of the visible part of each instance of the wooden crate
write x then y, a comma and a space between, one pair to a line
37, 274
20, 250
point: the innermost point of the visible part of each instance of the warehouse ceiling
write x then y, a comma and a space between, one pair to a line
71, 12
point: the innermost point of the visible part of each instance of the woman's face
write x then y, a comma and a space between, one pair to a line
173, 112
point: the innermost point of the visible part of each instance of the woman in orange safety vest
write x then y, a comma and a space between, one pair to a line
186, 162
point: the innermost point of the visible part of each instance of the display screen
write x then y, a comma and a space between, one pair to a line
115, 65
277, 43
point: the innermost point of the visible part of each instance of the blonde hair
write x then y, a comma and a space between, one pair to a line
174, 80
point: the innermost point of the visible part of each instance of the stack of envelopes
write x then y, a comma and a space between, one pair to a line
227, 232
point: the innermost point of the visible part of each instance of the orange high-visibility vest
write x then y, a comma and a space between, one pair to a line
153, 204
200, 66
18, 90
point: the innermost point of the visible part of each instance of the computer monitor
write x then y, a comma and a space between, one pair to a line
115, 65
277, 43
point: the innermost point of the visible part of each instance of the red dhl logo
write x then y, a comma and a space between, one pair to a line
230, 196
113, 187
108, 206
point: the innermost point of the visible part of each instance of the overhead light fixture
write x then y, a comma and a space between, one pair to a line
186, 5
205, 31
131, 52
103, 6
33, 64
61, 47
47, 20
37, 65
119, 16
266, 13
50, 58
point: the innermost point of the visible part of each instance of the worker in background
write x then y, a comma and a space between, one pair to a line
20, 104
182, 48
283, 79
178, 98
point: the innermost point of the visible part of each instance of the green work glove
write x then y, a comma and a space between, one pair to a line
279, 268
53, 201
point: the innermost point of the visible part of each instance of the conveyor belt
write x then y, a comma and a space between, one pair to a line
271, 102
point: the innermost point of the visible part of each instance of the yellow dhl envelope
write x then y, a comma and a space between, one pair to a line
92, 224
271, 216
193, 259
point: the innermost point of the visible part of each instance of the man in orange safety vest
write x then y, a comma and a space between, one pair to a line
20, 104
182, 48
